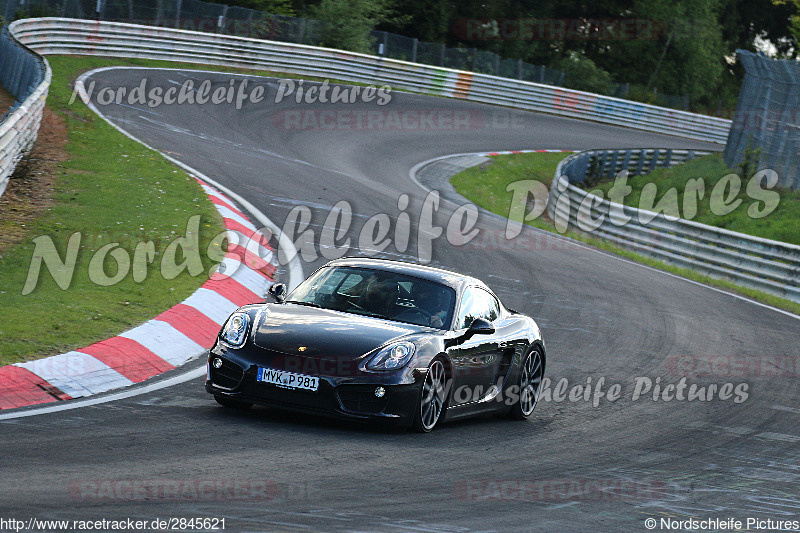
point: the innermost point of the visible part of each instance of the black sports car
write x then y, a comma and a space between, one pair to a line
381, 340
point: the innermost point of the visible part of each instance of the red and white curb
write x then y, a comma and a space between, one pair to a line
172, 338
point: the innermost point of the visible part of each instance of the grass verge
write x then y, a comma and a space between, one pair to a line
110, 189
486, 186
667, 188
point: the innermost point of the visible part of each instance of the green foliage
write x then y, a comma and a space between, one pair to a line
487, 186
37, 11
744, 20
780, 225
752, 156
640, 93
348, 22
682, 55
583, 74
273, 7
794, 19
111, 188
427, 20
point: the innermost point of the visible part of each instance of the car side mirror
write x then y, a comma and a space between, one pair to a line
278, 291
480, 326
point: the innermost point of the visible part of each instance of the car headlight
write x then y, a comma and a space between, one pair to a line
235, 330
392, 357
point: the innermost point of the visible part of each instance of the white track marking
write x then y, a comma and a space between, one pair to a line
294, 266
295, 269
127, 393
165, 341
61, 371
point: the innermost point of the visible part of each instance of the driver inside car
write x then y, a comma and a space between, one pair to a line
432, 302
380, 297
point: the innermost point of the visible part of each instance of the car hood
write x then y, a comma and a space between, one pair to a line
313, 332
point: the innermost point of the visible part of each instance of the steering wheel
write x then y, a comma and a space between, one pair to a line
428, 316
425, 317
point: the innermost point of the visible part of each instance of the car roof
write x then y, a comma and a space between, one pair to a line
439, 275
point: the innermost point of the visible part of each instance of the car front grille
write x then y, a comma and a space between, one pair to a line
228, 376
361, 398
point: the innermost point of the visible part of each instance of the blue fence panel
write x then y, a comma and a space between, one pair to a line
20, 71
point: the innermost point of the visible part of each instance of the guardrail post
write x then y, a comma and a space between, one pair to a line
601, 165
640, 166
627, 160
582, 167
414, 45
668, 158
612, 167
221, 20
654, 162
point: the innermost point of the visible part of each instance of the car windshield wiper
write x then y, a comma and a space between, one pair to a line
309, 304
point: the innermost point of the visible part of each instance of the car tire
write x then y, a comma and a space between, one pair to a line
432, 402
529, 383
232, 404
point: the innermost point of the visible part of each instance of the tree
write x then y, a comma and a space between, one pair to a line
794, 20
273, 7
427, 20
348, 22
743, 21
582, 74
681, 53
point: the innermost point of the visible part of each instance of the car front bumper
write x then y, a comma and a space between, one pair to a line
343, 397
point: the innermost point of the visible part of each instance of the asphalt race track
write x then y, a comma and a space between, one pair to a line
573, 466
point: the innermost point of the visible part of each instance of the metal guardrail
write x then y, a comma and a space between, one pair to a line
762, 264
27, 77
766, 265
73, 36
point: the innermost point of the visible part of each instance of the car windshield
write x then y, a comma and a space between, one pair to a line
378, 293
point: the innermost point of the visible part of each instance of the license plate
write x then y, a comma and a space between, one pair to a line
288, 380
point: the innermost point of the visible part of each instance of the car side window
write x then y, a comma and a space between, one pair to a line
477, 303
348, 283
492, 305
